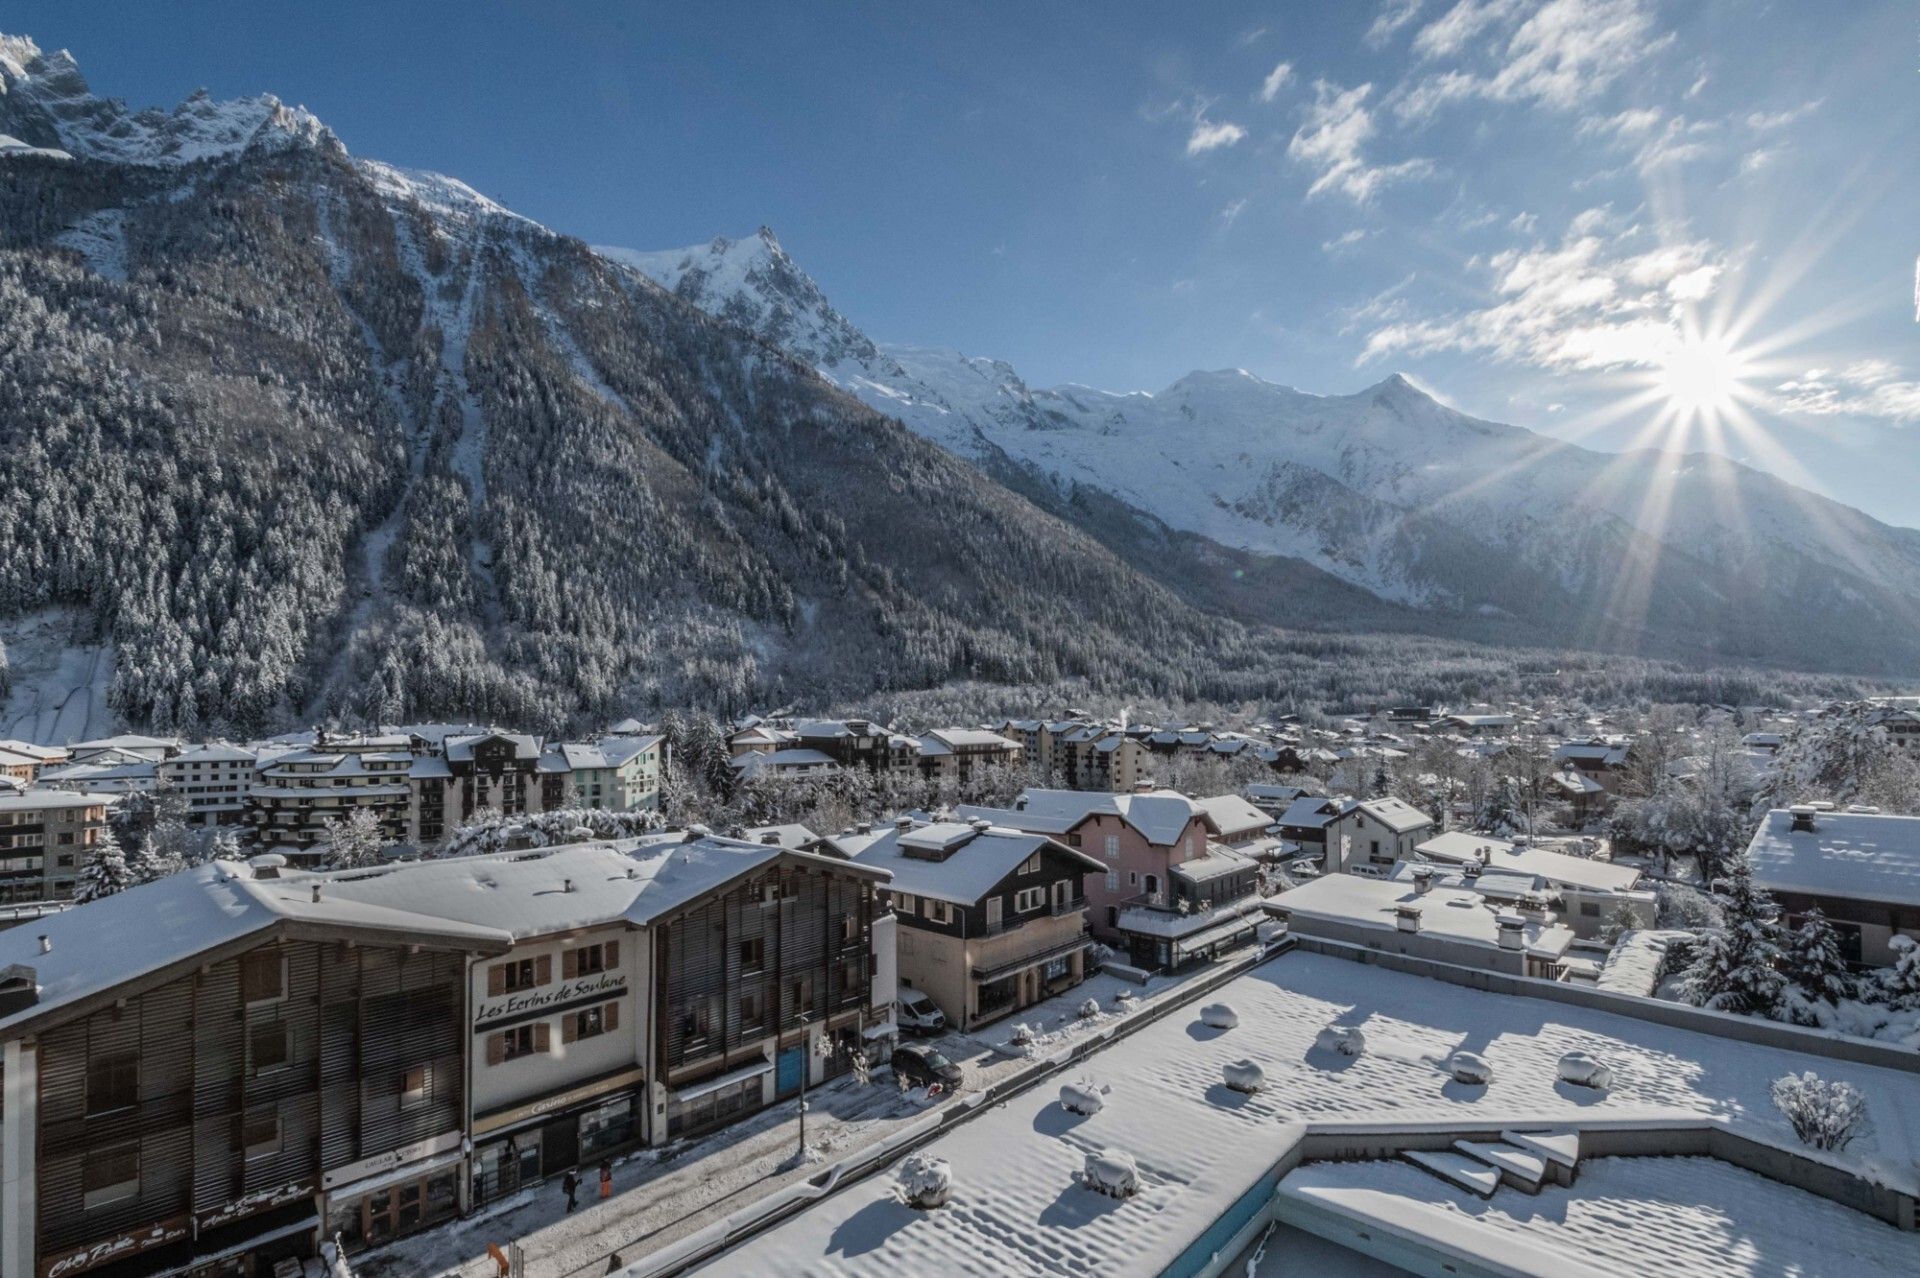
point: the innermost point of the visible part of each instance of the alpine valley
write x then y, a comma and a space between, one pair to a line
288, 434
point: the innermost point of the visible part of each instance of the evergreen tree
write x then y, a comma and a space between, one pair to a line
355, 843
1899, 985
1814, 962
1737, 966
105, 872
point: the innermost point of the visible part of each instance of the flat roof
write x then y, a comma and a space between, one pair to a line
1018, 1205
1449, 913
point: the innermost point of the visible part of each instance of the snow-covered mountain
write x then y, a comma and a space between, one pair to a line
1387, 490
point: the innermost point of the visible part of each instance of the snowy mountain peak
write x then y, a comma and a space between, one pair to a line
46, 107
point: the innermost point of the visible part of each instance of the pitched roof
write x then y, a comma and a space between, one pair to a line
978, 860
1863, 856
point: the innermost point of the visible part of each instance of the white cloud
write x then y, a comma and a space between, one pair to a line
1655, 137
1767, 122
1343, 241
1332, 141
1393, 15
1275, 81
1524, 223
1864, 388
1209, 136
1760, 158
1594, 301
1232, 210
1561, 54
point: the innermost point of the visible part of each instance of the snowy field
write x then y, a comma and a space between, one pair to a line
1631, 1216
1018, 1206
59, 691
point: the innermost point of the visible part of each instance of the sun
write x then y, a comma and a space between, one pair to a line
1701, 377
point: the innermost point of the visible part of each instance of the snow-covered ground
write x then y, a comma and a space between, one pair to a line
1019, 1208
60, 682
1629, 1216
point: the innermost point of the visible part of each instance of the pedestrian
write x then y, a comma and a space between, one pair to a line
615, 1264
571, 1184
606, 1179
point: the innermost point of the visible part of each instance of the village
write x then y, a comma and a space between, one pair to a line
441, 982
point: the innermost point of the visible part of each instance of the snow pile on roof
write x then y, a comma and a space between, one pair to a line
1461, 848
1022, 1211
1642, 1216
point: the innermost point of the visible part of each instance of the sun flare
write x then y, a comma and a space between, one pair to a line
1701, 378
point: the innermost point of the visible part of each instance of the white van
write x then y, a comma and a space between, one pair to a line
918, 1015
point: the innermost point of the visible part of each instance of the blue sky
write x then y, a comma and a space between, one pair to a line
1537, 210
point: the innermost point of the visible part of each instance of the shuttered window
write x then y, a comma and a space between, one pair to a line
519, 974
591, 1023
521, 1040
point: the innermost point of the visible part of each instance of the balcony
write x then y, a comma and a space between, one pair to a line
1013, 922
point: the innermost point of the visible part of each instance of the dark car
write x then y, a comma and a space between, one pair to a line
922, 1066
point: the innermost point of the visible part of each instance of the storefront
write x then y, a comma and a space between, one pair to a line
378, 1199
520, 1144
714, 1102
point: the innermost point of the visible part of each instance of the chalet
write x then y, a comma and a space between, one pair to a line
1860, 869
1305, 821
1374, 833
989, 920
227, 1062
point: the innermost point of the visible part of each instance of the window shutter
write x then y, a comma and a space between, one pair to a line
569, 1027
613, 954
543, 969
612, 1017
569, 964
496, 1048
542, 1037
496, 980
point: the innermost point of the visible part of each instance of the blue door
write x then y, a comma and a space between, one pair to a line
786, 1078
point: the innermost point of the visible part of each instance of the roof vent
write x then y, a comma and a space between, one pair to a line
633, 871
267, 865
980, 825
316, 892
903, 823
1802, 816
566, 885
695, 833
1406, 917
771, 838
46, 943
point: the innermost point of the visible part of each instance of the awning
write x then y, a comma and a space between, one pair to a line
1223, 932
989, 974
295, 1218
399, 1175
705, 1087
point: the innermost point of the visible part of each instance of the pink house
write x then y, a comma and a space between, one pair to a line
1170, 891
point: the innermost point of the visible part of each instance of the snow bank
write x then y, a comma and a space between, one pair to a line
1244, 1076
1113, 1173
1585, 1071
1346, 1040
925, 1182
1219, 1016
1090, 1009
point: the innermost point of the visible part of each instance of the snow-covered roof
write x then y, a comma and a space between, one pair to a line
43, 753
619, 750
1459, 847
777, 759
430, 767
1160, 816
212, 752
1396, 814
1312, 812
525, 746
1233, 816
1862, 856
177, 919
1019, 1207
976, 861
960, 738
43, 800
1453, 914
1643, 1216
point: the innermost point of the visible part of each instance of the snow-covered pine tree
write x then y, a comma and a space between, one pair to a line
105, 871
1814, 962
1899, 985
354, 843
1737, 966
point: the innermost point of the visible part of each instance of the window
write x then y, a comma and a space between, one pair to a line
268, 1047
1113, 880
110, 1175
905, 903
1027, 900
260, 1133
263, 976
1062, 893
939, 912
113, 1082
1113, 846
413, 1087
1031, 865
801, 994
849, 929
696, 1018
521, 1040
753, 954
589, 960
1133, 878
1590, 909
750, 1010
591, 1023
519, 974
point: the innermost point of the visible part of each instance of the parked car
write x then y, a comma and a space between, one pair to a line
923, 1066
919, 1015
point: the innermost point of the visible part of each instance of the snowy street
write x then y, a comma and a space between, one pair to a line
663, 1195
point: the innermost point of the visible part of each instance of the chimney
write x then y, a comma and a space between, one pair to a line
46, 943
980, 825
770, 839
695, 833
903, 823
1422, 880
1512, 931
316, 892
1406, 917
566, 885
1470, 872
1802, 817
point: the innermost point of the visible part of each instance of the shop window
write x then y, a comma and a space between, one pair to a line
269, 1047
110, 1175
260, 1134
263, 977
113, 1082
